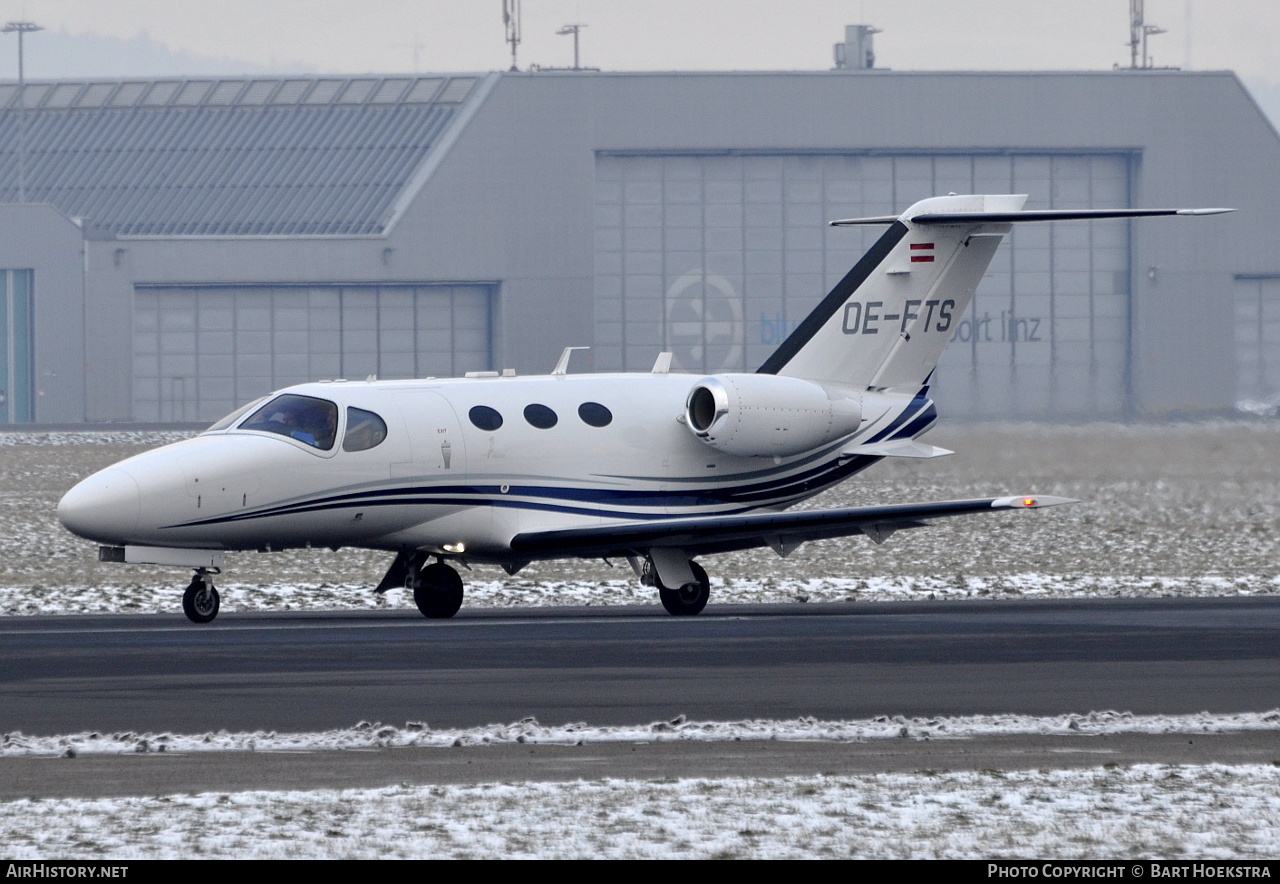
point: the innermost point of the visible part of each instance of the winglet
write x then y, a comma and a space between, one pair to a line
1029, 501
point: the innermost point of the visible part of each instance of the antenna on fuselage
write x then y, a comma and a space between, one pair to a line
562, 366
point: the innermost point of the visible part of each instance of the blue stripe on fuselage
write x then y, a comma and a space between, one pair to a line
652, 503
723, 500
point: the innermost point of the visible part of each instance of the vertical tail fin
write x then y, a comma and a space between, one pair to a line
887, 322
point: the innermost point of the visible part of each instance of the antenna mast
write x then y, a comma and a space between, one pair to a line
511, 19
572, 29
1139, 31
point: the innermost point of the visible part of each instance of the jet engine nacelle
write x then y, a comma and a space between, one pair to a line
764, 415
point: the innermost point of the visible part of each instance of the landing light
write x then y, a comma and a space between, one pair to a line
458, 547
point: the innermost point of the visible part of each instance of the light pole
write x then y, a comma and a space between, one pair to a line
21, 27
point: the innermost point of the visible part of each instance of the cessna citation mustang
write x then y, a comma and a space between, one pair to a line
656, 468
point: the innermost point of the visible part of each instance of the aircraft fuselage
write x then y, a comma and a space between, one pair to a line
441, 483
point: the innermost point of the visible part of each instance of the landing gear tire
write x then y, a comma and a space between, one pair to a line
200, 602
438, 593
689, 599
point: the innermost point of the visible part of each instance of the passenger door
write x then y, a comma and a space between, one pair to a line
439, 451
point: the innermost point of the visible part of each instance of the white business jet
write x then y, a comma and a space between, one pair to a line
656, 468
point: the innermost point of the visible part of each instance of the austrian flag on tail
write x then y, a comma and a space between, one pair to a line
921, 252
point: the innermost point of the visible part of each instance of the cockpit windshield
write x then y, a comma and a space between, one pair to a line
240, 412
305, 418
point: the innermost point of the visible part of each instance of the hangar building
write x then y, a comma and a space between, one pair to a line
170, 249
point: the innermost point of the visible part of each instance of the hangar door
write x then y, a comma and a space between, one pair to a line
1257, 342
717, 258
17, 376
199, 352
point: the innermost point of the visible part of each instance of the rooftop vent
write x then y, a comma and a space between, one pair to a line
856, 53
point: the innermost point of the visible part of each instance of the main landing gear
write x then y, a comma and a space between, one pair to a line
200, 602
437, 588
685, 600
437, 591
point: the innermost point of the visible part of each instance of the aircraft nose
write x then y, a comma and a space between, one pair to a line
104, 507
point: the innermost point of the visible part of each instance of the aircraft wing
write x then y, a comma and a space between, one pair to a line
781, 531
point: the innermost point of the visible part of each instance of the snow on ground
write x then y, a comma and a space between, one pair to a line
373, 735
1158, 811
163, 598
1167, 510
1267, 407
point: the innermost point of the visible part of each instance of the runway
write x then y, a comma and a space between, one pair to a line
628, 665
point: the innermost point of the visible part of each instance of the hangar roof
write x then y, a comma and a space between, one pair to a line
227, 157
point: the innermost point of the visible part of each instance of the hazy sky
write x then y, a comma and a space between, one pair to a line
467, 35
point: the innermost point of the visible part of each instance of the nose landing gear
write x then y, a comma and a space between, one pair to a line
200, 602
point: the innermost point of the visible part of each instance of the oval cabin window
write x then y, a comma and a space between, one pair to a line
485, 418
540, 416
595, 414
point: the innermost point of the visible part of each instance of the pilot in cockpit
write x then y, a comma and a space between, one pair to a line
309, 420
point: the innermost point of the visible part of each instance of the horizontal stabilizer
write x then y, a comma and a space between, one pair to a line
870, 219
1025, 215
1054, 215
714, 534
896, 448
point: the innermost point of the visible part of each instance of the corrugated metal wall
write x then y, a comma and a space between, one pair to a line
200, 352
